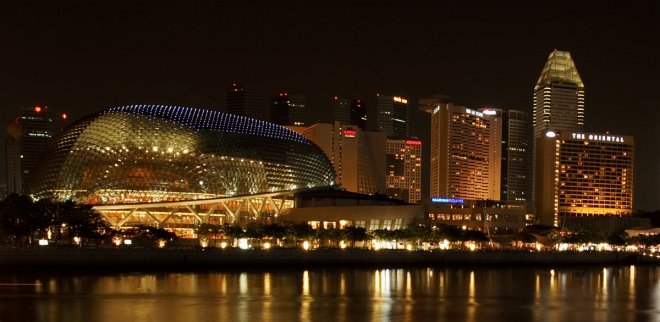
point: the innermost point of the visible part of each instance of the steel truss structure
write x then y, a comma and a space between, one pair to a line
265, 207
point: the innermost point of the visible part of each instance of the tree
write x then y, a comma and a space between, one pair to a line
617, 238
355, 234
79, 220
19, 219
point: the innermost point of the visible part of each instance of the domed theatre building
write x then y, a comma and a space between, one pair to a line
177, 167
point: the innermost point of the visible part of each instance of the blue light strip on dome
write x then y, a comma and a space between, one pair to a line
208, 119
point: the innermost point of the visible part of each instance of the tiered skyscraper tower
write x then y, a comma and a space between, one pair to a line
558, 96
558, 101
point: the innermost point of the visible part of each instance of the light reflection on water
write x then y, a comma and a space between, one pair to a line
629, 293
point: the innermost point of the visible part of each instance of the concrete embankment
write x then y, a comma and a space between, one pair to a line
107, 258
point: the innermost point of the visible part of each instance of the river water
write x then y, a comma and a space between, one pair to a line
619, 293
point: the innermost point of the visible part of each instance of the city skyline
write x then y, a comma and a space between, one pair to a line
83, 59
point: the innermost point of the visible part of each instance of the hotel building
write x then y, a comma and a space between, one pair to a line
465, 151
358, 156
582, 174
404, 169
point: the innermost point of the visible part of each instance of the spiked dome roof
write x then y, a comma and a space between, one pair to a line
560, 67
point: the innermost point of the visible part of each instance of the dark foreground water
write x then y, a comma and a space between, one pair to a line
628, 293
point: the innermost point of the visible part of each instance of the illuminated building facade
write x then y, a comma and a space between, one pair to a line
27, 138
404, 169
246, 100
392, 115
152, 153
465, 151
558, 100
583, 174
488, 216
358, 156
287, 109
178, 167
558, 96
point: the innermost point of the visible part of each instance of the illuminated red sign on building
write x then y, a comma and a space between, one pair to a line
350, 133
413, 142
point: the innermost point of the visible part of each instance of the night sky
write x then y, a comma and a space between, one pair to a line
81, 57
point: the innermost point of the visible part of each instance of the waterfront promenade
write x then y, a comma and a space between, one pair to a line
110, 258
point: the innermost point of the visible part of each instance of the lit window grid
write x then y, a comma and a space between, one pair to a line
593, 178
412, 176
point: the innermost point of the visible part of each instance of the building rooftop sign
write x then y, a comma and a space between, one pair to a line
597, 137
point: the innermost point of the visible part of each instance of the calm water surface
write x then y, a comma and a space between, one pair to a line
622, 293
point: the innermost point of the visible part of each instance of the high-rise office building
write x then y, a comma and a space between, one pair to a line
287, 109
516, 155
558, 101
583, 174
246, 100
465, 151
27, 138
558, 96
392, 115
350, 112
404, 169
358, 156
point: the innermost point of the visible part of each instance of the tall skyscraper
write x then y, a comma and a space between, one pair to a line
558, 96
246, 100
516, 155
558, 101
287, 109
404, 169
350, 112
392, 115
358, 156
583, 174
465, 151
27, 138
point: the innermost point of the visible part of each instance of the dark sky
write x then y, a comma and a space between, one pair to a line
85, 56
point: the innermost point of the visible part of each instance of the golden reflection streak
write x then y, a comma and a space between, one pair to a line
342, 284
341, 311
408, 286
604, 292
381, 298
267, 308
472, 303
243, 283
267, 284
305, 299
632, 294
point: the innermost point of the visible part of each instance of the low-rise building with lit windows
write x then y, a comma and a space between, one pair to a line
583, 175
488, 216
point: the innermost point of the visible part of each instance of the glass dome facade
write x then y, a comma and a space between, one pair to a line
156, 153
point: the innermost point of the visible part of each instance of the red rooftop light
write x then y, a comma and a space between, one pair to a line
64, 116
37, 109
